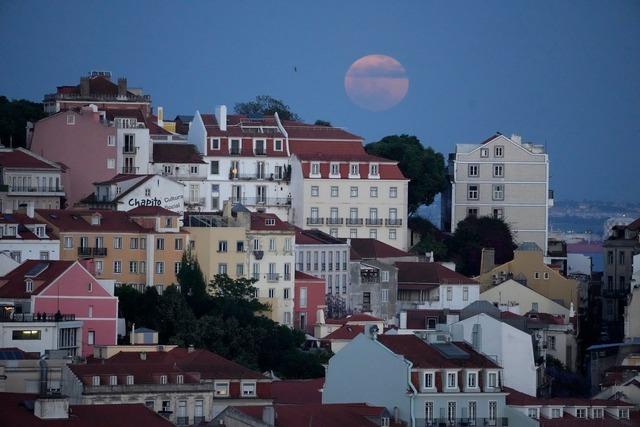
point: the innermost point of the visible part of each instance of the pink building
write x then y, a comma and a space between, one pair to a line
67, 287
309, 297
82, 141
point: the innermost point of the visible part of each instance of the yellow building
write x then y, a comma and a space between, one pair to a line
528, 268
141, 247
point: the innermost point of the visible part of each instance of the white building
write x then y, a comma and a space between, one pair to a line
22, 237
504, 178
513, 294
33, 335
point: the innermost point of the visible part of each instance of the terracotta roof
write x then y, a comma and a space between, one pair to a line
131, 113
547, 318
119, 178
18, 218
299, 130
80, 220
318, 415
98, 85
345, 332
316, 237
21, 158
429, 274
297, 391
261, 221
16, 413
358, 317
333, 151
426, 356
12, 285
516, 398
176, 153
635, 225
151, 211
304, 276
374, 249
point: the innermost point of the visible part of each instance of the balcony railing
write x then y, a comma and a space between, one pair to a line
99, 252
262, 201
369, 277
334, 221
37, 317
130, 170
464, 422
393, 221
132, 149
37, 189
273, 277
84, 252
354, 221
182, 421
286, 276
198, 420
315, 221
197, 201
374, 221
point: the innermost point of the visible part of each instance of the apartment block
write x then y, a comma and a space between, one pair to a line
22, 237
504, 178
141, 247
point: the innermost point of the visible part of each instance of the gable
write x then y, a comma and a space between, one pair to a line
74, 282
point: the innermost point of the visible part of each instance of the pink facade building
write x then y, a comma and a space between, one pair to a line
309, 298
66, 287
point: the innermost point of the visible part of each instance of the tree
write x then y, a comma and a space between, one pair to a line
193, 285
322, 123
472, 235
431, 238
14, 116
264, 105
423, 166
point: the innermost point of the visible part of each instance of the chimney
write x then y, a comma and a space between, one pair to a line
403, 320
143, 356
191, 348
44, 375
396, 415
487, 260
269, 415
132, 337
160, 116
84, 87
122, 87
51, 408
221, 117
27, 209
320, 317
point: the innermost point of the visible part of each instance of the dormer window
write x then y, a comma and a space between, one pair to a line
270, 221
452, 379
29, 285
354, 170
214, 143
335, 170
597, 413
180, 379
95, 380
429, 380
193, 170
581, 413
493, 379
248, 389
259, 148
472, 379
623, 414
235, 146
129, 379
40, 231
95, 219
532, 413
163, 379
484, 152
277, 145
374, 170
315, 169
113, 380
71, 119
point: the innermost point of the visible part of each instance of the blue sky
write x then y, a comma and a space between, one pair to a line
565, 74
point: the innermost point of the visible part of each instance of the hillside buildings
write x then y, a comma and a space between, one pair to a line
504, 178
22, 237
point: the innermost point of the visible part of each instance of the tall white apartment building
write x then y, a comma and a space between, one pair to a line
504, 178
338, 188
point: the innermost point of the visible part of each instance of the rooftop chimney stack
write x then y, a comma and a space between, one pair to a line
269, 415
84, 86
122, 87
487, 260
160, 116
221, 117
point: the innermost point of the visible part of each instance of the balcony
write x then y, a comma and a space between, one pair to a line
84, 252
129, 149
273, 277
263, 201
393, 222
196, 201
334, 221
99, 252
463, 422
374, 221
29, 189
182, 421
354, 221
287, 276
130, 170
234, 151
369, 277
315, 221
31, 317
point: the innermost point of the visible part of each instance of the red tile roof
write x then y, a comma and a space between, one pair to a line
358, 317
297, 391
21, 158
568, 420
151, 211
176, 153
429, 274
13, 285
635, 225
119, 178
316, 237
345, 332
426, 356
130, 113
299, 130
516, 398
317, 415
80, 220
374, 249
349, 151
308, 277
262, 221
15, 413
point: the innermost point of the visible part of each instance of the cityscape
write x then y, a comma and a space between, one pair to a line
182, 245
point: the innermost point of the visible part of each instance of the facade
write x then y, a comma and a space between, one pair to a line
186, 386
141, 247
49, 287
31, 334
22, 237
504, 178
619, 250
27, 178
515, 297
309, 297
20, 371
528, 268
340, 189
632, 309
430, 285
427, 384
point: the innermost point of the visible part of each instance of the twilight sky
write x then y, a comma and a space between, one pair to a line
565, 74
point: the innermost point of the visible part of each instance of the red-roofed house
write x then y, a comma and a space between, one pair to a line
48, 287
309, 298
186, 386
23, 237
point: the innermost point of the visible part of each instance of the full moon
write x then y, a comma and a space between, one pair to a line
376, 82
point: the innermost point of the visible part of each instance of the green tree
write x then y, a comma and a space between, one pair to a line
176, 319
193, 285
14, 116
431, 238
265, 105
423, 166
322, 123
472, 235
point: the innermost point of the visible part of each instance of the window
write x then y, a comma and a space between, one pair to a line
353, 233
534, 307
428, 411
176, 267
551, 342
498, 213
473, 410
239, 270
472, 192
143, 267
315, 169
272, 245
556, 413
260, 146
472, 170
117, 243
113, 380
451, 411
71, 119
581, 413
193, 170
29, 285
111, 140
256, 244
354, 191
178, 245
493, 410
26, 335
498, 171
271, 293
484, 152
214, 143
428, 379
449, 293
277, 145
373, 169
384, 276
472, 212
335, 170
609, 257
392, 234
452, 379
163, 380
315, 191
373, 191
222, 246
536, 275
354, 170
384, 295
621, 258
111, 163
287, 244
498, 151
133, 267
472, 379
498, 192
493, 379
334, 191
623, 414
160, 243
117, 266
373, 233
91, 338
143, 243
545, 275
68, 242
222, 268
393, 192
221, 389
248, 389
160, 267
465, 293
180, 379
95, 380
133, 243
532, 412
129, 379
287, 293
303, 297
234, 146
215, 167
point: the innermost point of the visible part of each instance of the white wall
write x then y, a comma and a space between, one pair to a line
164, 192
30, 249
